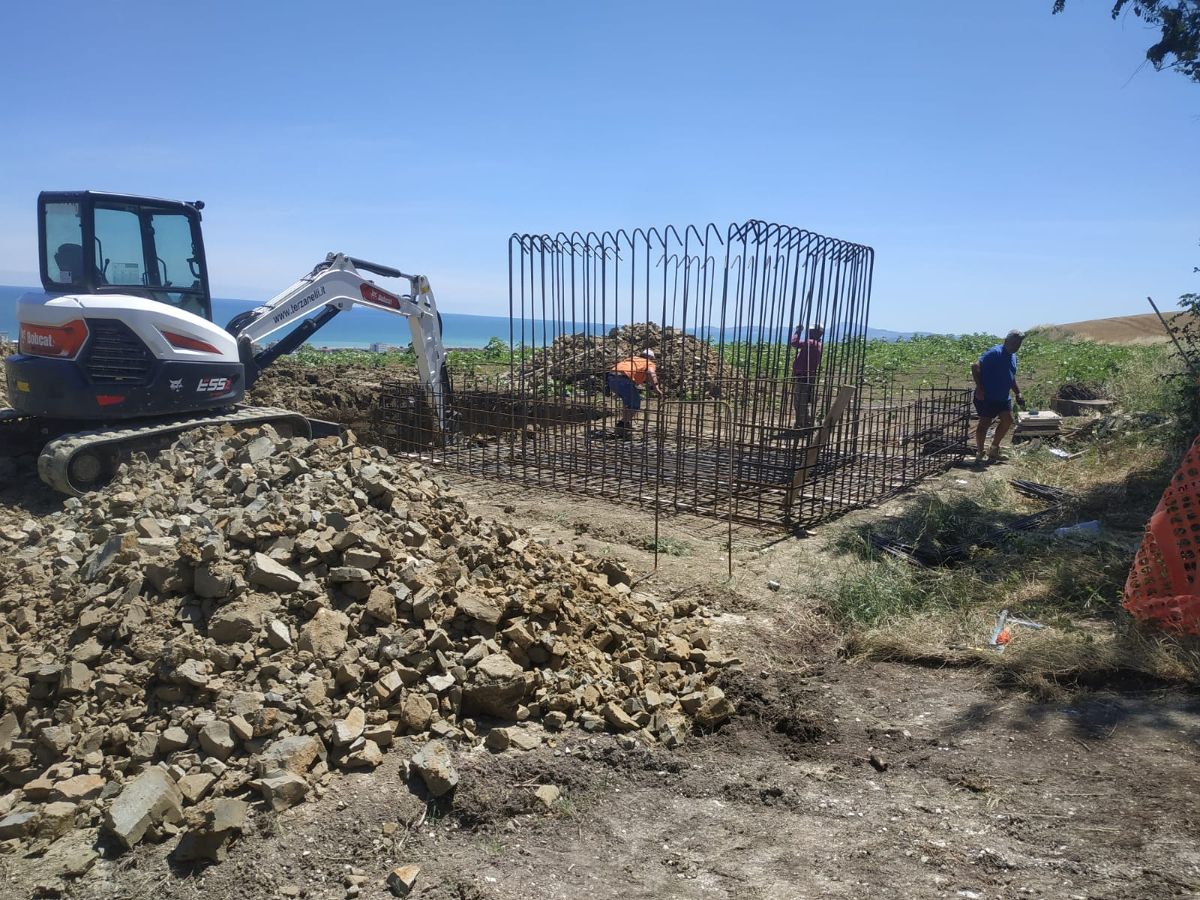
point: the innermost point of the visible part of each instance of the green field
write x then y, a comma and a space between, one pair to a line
1134, 375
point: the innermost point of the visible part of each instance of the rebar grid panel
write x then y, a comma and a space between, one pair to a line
718, 309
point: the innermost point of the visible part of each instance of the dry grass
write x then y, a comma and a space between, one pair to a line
1083, 652
945, 616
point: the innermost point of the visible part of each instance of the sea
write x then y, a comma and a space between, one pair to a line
359, 329
366, 328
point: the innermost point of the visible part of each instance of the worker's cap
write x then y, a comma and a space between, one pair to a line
648, 353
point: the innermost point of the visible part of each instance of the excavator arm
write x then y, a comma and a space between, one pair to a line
333, 286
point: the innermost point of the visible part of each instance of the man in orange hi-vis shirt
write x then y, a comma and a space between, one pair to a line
625, 380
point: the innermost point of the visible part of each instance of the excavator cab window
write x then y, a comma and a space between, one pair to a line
107, 243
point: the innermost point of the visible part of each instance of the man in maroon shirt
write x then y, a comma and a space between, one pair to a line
804, 372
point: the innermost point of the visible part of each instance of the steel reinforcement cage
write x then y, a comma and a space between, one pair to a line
735, 433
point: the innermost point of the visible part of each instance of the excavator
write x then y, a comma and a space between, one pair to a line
118, 353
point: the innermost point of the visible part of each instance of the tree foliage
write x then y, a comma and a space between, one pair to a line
1178, 46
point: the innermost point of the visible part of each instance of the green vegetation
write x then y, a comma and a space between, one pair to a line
492, 358
1178, 24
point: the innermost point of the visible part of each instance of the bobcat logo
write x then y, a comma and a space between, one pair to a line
176, 384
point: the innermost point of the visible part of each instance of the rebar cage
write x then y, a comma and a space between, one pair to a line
736, 432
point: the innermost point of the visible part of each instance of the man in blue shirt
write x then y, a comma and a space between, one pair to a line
995, 375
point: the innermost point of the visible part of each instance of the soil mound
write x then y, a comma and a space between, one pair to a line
686, 365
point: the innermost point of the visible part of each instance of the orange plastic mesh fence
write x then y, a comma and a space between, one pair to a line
1161, 587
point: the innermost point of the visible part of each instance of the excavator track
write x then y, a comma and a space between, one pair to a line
85, 460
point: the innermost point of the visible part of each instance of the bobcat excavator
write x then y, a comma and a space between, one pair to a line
119, 353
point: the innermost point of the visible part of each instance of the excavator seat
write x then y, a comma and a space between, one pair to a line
69, 258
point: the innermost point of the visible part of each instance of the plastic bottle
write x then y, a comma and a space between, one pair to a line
1083, 529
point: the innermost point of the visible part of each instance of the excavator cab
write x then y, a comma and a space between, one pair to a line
97, 243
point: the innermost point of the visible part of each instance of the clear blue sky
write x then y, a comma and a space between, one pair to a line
1010, 167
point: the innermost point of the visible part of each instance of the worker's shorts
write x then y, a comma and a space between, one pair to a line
989, 409
623, 387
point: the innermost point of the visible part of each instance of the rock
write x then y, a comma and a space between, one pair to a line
172, 739
192, 673
10, 729
617, 717
415, 713
512, 738
76, 678
714, 712
495, 686
70, 857
279, 636
195, 787
271, 575
150, 799
294, 754
346, 731
235, 624
78, 789
479, 608
433, 763
18, 824
548, 795
615, 572
368, 756
210, 583
381, 605
56, 820
361, 559
400, 880
324, 635
209, 838
216, 739
283, 790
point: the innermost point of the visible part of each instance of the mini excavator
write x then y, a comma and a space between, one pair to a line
118, 353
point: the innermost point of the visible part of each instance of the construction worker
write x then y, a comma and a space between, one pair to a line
804, 372
625, 380
995, 375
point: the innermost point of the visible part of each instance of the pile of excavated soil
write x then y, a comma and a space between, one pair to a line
685, 364
227, 624
344, 394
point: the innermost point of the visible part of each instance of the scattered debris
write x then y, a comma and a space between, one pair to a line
1036, 424
1002, 635
924, 556
1084, 530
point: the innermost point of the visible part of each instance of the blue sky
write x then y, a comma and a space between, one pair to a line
1009, 167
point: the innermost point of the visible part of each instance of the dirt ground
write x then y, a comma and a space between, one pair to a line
838, 779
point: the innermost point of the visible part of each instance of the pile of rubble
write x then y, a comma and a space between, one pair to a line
687, 365
227, 624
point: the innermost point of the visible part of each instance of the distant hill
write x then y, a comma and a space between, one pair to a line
1142, 329
886, 334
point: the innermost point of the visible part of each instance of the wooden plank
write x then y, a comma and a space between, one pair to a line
836, 410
